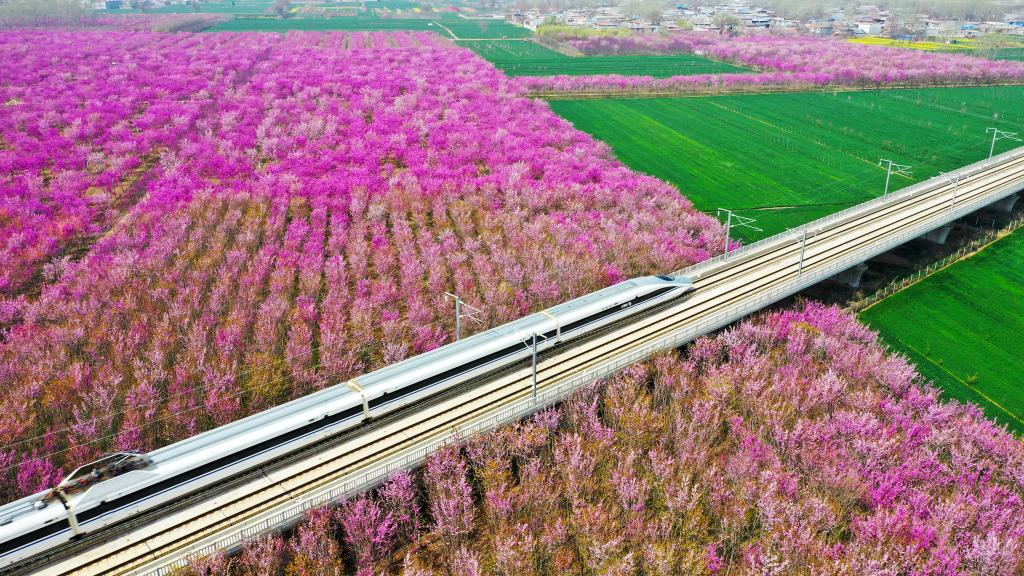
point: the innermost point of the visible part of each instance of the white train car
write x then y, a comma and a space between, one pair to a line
88, 500
408, 381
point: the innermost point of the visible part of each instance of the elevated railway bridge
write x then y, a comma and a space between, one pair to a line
724, 290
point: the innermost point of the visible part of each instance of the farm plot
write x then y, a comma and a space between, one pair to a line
1010, 54
519, 58
926, 46
786, 159
972, 348
397, 5
1002, 102
465, 28
1013, 50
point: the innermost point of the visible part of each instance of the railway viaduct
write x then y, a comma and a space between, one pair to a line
727, 288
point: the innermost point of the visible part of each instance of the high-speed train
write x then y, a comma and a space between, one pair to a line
122, 485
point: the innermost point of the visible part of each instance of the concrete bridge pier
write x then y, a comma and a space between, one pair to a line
851, 277
1006, 204
939, 235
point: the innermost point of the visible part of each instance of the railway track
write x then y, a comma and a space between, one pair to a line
727, 288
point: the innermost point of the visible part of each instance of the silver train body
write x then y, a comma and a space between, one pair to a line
38, 523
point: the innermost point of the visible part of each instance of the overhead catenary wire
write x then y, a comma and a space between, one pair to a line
869, 174
846, 182
280, 361
166, 416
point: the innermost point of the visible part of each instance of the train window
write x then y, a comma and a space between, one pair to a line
666, 278
105, 467
88, 469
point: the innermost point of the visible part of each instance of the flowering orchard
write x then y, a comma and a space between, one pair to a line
790, 445
610, 84
788, 62
84, 116
292, 221
611, 44
840, 62
155, 22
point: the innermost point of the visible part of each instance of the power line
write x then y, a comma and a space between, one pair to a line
848, 182
951, 149
276, 363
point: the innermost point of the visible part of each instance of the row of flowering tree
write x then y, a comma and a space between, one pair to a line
793, 444
84, 116
300, 228
154, 22
779, 62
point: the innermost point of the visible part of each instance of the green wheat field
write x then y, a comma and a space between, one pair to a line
522, 58
964, 328
786, 159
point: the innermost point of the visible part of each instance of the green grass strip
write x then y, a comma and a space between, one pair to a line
964, 328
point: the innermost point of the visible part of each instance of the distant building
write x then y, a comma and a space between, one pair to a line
820, 28
756, 21
868, 28
997, 27
941, 28
783, 24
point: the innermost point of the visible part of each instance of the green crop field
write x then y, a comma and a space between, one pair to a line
1010, 54
972, 349
465, 28
786, 159
520, 58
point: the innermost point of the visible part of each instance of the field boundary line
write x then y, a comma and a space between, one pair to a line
796, 206
448, 30
751, 91
961, 381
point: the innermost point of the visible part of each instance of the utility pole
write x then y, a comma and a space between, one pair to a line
803, 245
459, 305
531, 345
955, 180
741, 222
534, 367
728, 228
893, 168
998, 134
